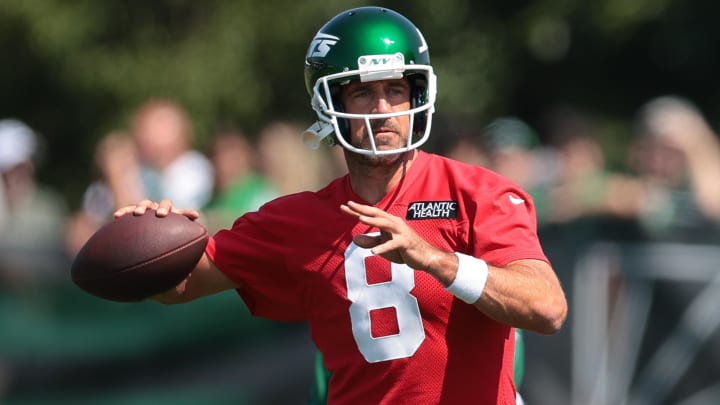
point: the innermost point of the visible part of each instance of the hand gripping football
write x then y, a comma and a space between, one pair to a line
136, 256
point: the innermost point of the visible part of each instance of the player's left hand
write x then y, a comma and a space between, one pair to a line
397, 242
162, 209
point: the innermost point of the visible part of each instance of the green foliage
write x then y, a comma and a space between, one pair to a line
75, 69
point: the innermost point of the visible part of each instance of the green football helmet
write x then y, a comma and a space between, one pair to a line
368, 44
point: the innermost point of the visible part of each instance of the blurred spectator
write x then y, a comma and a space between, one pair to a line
466, 147
170, 167
31, 215
239, 187
513, 149
118, 184
289, 164
510, 144
157, 162
584, 186
116, 158
507, 145
677, 157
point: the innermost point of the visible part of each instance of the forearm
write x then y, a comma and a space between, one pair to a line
204, 280
525, 294
175, 295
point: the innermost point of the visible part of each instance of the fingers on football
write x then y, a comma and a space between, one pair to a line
136, 209
164, 208
192, 214
124, 210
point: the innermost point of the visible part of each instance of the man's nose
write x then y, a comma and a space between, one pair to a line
381, 105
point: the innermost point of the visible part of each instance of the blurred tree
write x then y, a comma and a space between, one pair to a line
77, 68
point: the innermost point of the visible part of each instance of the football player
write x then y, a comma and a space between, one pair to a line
413, 269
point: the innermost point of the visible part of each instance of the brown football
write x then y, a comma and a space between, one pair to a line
136, 256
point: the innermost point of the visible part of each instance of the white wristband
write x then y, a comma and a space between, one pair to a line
469, 283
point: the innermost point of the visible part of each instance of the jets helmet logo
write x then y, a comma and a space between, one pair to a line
321, 44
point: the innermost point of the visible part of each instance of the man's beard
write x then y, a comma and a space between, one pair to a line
388, 125
369, 160
373, 161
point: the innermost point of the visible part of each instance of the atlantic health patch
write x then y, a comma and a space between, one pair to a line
432, 210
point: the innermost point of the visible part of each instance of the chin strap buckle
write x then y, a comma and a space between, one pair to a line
314, 135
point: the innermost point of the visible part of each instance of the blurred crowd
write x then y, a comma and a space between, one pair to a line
666, 189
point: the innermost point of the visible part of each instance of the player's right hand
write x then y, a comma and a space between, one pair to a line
163, 208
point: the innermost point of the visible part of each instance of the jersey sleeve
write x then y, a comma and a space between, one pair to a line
252, 254
507, 230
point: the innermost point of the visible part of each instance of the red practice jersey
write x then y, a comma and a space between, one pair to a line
389, 334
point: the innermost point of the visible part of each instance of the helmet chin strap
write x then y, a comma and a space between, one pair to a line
314, 135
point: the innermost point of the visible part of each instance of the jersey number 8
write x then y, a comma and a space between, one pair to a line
395, 293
